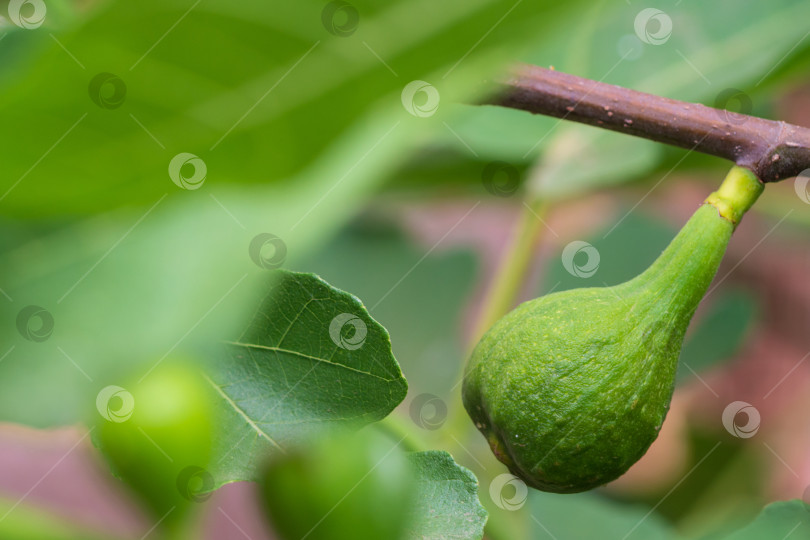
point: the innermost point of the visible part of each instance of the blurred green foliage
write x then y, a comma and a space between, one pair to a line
599, 518
311, 119
299, 130
24, 522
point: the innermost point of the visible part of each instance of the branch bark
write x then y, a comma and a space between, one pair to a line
773, 150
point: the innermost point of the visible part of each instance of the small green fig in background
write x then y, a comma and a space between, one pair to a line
359, 486
570, 389
156, 434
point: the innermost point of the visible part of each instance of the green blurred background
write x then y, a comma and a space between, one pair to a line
297, 111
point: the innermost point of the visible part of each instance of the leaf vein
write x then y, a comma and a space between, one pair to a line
307, 356
242, 413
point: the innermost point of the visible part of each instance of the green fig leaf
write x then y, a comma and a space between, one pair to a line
588, 515
783, 519
447, 501
311, 359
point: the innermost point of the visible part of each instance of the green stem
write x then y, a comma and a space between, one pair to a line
501, 297
400, 430
182, 523
511, 274
740, 189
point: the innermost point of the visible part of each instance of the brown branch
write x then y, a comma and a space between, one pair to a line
772, 150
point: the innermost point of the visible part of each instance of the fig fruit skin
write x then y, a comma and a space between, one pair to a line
348, 485
570, 389
169, 432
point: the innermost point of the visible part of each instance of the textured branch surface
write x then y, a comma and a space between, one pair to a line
772, 150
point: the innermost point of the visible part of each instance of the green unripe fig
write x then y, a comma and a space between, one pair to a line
156, 434
570, 389
359, 486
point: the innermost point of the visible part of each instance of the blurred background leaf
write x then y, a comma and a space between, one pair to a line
263, 93
782, 519
626, 248
719, 333
589, 515
258, 90
29, 523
